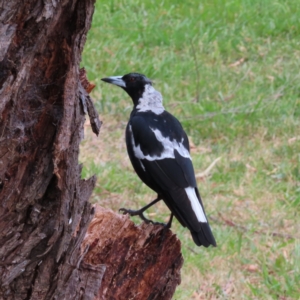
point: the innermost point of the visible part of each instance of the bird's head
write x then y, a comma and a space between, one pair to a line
133, 83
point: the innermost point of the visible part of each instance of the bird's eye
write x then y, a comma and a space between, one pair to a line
132, 79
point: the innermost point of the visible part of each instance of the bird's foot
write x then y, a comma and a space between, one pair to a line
166, 227
169, 224
140, 214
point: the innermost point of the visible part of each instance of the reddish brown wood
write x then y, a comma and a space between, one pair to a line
140, 262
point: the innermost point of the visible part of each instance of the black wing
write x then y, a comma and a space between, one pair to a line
159, 151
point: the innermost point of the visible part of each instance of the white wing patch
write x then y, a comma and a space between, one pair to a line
196, 206
151, 100
143, 167
169, 147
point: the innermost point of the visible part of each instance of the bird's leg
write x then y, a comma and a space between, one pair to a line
169, 224
165, 228
139, 212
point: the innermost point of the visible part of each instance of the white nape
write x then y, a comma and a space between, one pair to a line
196, 206
151, 100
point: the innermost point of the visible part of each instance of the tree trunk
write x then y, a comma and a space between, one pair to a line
44, 208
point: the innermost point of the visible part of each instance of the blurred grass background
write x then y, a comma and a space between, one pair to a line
229, 71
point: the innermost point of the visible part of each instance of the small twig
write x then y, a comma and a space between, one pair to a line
237, 63
197, 72
192, 250
293, 139
208, 169
222, 220
242, 109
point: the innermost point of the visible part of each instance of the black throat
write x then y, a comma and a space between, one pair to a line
135, 93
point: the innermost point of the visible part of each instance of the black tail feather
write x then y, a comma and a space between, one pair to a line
204, 237
201, 232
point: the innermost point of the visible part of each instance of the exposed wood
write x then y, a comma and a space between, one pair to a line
141, 262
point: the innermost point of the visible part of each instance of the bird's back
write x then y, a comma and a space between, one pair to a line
158, 148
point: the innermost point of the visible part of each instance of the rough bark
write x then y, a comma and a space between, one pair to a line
142, 262
44, 209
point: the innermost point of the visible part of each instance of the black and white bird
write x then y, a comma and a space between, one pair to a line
159, 151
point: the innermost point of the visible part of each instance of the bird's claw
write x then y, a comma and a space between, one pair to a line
139, 213
158, 223
125, 211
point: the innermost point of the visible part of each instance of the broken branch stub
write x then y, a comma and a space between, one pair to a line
141, 261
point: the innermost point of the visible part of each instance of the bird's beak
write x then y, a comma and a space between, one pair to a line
116, 80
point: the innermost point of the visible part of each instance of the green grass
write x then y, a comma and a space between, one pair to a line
229, 70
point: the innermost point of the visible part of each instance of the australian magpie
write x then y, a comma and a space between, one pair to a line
159, 151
